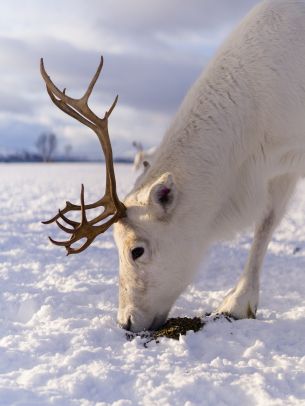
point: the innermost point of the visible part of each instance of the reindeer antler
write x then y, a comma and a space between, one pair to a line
79, 109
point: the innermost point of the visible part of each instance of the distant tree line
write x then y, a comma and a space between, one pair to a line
46, 145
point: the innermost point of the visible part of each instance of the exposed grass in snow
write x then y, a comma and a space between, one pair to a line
59, 342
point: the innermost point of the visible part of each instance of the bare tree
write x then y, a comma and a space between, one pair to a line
41, 145
68, 149
46, 144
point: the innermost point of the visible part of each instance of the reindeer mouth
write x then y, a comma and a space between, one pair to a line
133, 326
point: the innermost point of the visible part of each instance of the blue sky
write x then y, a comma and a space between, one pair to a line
153, 52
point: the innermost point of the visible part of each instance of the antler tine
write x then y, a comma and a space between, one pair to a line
82, 204
65, 229
68, 221
93, 81
51, 86
71, 250
107, 114
59, 243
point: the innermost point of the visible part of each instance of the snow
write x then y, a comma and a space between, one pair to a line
59, 342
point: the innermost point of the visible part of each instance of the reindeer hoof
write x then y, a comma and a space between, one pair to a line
249, 315
241, 306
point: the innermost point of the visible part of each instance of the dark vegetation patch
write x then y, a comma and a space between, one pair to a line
175, 327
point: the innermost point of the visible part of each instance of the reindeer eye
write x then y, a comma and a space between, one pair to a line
137, 252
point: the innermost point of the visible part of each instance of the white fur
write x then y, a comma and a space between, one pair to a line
231, 159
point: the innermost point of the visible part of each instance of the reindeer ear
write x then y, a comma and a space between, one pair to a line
163, 196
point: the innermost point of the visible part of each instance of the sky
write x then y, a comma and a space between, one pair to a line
153, 52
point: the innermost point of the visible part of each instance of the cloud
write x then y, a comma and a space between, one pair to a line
136, 18
153, 52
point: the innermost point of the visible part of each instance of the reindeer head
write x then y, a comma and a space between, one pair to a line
138, 159
147, 228
147, 260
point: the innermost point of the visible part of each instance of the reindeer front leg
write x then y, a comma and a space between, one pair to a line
242, 301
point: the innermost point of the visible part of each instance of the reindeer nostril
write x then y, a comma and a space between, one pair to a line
126, 326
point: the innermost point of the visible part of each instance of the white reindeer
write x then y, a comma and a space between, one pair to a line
230, 159
142, 157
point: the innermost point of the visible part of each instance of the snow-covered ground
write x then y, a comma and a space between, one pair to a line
59, 342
